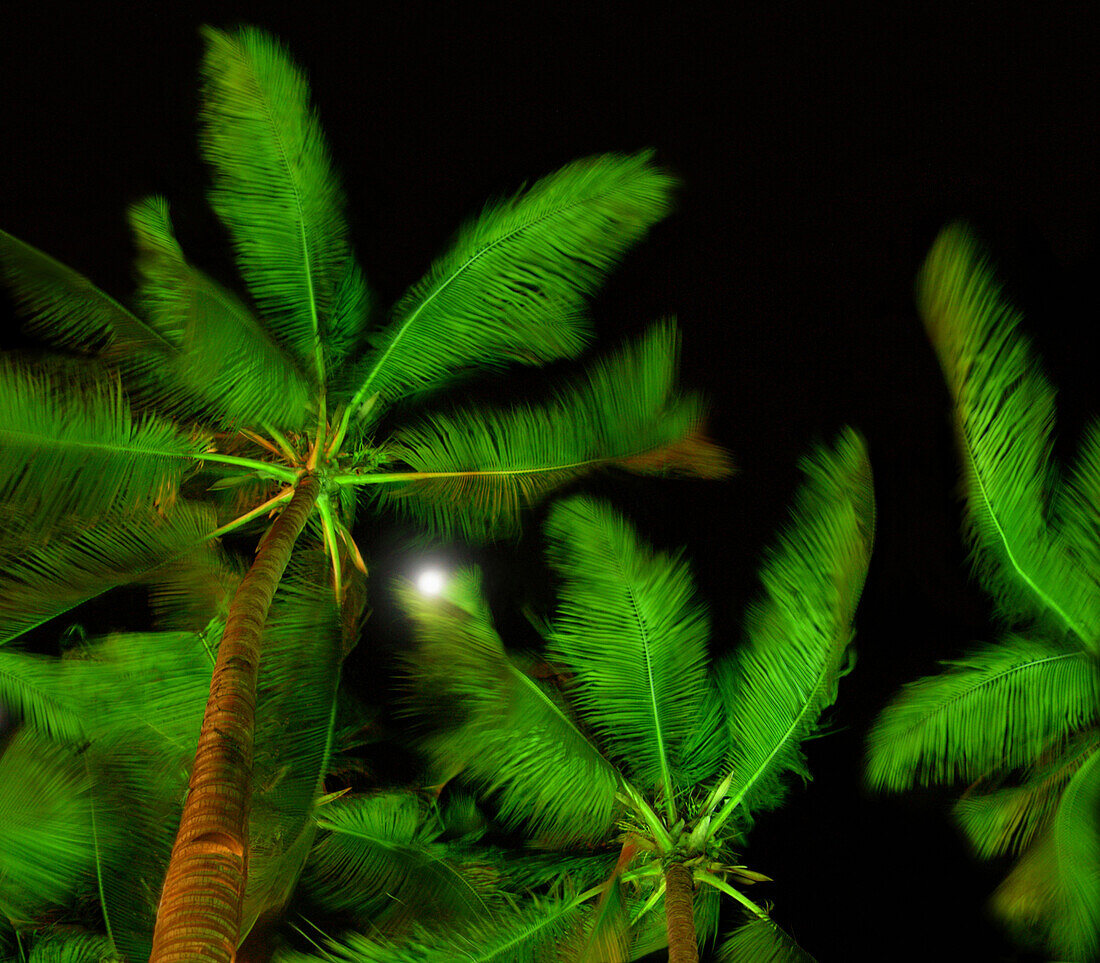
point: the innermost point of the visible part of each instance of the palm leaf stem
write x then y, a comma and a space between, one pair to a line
284, 496
332, 546
652, 820
344, 416
262, 442
1068, 619
382, 478
337, 438
666, 773
722, 886
353, 549
98, 861
717, 795
261, 467
318, 445
280, 439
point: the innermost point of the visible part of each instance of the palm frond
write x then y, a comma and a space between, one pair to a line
1076, 507
72, 447
481, 468
67, 947
631, 630
1007, 820
381, 858
42, 577
1054, 891
226, 369
44, 694
524, 935
508, 735
296, 705
64, 307
513, 284
999, 708
47, 844
276, 192
786, 672
194, 589
1004, 411
761, 941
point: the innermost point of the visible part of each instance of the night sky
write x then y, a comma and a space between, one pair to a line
819, 155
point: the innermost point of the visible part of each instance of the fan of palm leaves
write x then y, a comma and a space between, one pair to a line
1018, 718
672, 748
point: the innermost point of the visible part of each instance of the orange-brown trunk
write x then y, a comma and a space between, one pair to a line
680, 915
199, 915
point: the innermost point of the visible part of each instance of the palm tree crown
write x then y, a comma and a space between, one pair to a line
646, 744
201, 412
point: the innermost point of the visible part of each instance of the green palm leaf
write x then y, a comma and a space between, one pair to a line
1076, 507
632, 632
47, 843
1054, 891
482, 467
514, 282
44, 694
786, 672
41, 578
524, 935
1004, 411
299, 674
72, 447
761, 941
64, 307
999, 708
381, 858
226, 368
276, 192
505, 732
1007, 820
68, 947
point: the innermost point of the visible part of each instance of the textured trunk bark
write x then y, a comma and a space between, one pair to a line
199, 915
680, 915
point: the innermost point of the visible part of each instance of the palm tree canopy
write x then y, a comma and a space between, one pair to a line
1017, 719
674, 747
199, 395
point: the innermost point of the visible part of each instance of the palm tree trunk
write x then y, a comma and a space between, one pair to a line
680, 915
199, 915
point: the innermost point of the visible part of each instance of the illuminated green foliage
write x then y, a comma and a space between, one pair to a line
643, 745
1017, 719
196, 412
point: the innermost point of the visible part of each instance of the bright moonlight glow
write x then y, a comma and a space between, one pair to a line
430, 582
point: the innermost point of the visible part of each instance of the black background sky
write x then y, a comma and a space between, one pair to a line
820, 151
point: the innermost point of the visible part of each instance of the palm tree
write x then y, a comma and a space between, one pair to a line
194, 417
1018, 719
646, 745
93, 782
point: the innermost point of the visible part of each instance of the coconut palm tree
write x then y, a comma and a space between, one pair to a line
93, 781
202, 413
1018, 719
647, 745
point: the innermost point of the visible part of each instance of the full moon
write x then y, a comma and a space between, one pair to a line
430, 582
